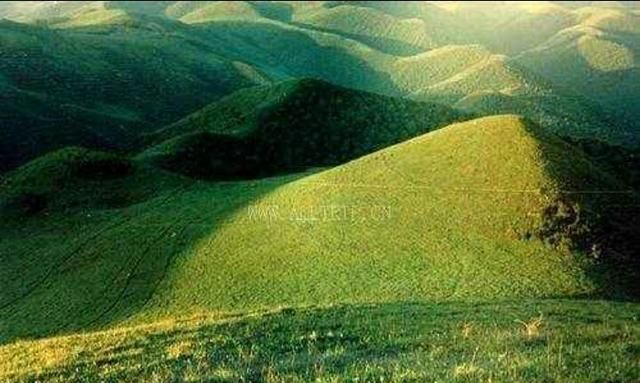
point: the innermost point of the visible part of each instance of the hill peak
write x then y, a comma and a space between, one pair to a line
301, 123
507, 160
498, 195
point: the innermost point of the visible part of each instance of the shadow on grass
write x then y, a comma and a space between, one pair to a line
98, 267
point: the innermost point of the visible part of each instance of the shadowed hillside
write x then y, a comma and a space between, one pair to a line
292, 125
100, 88
76, 177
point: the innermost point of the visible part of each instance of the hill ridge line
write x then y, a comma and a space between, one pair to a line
497, 190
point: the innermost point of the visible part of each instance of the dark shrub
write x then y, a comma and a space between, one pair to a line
32, 203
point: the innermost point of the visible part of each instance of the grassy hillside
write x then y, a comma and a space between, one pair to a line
418, 72
526, 341
472, 79
378, 29
77, 177
295, 52
491, 208
34, 11
501, 201
292, 125
221, 10
69, 14
492, 73
599, 64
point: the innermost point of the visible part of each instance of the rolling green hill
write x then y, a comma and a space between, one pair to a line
375, 28
502, 28
137, 78
488, 197
220, 10
33, 11
418, 72
289, 50
599, 64
490, 208
69, 14
290, 126
472, 79
505, 29
580, 63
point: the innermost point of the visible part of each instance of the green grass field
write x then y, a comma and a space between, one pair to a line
516, 341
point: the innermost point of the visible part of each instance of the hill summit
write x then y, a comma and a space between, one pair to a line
490, 207
292, 125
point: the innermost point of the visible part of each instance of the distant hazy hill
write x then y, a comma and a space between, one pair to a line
572, 68
291, 125
374, 27
472, 79
102, 87
599, 60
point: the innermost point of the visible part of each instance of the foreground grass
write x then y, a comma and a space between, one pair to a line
534, 340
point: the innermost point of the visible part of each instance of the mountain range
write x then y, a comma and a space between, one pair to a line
148, 64
319, 191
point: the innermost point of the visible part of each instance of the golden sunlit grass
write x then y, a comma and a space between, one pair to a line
391, 343
180, 349
532, 327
